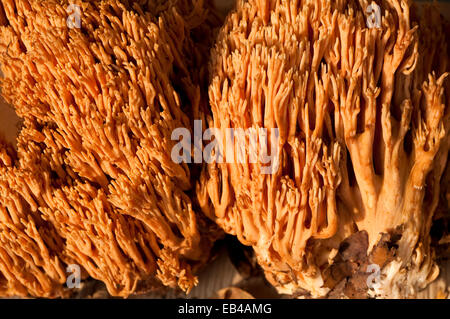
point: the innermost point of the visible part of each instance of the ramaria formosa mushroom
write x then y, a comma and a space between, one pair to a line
93, 184
358, 91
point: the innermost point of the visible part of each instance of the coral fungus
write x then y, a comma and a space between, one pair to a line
359, 94
92, 182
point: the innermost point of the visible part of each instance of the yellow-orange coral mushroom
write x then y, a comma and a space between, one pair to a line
93, 183
362, 107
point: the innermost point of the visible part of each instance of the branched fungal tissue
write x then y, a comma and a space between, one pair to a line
349, 101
